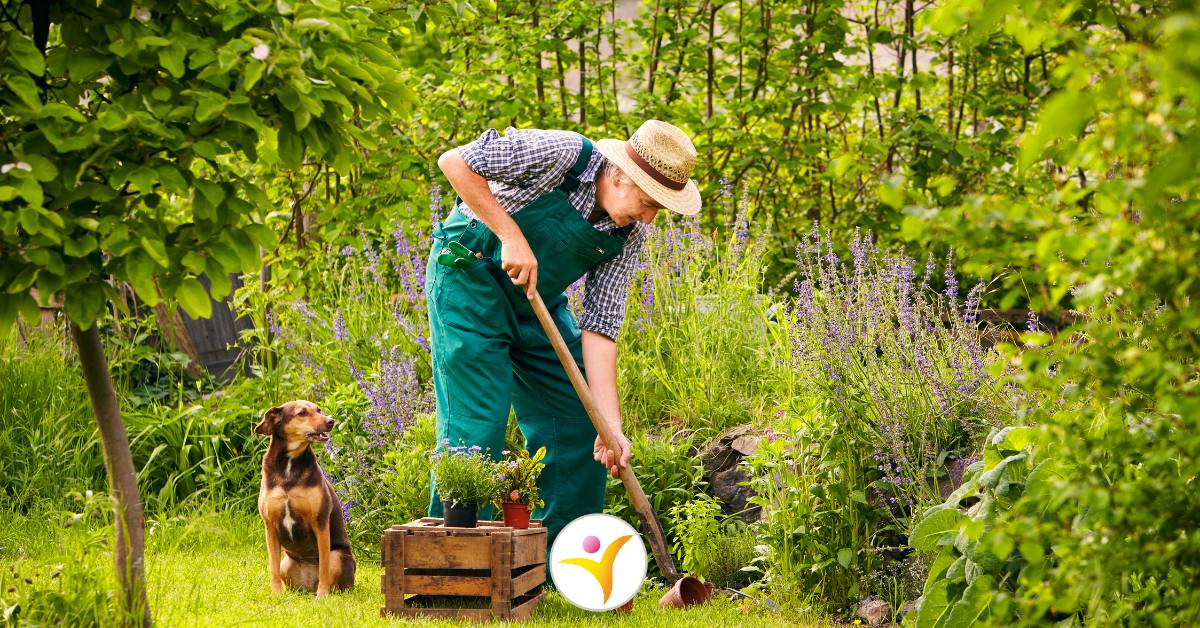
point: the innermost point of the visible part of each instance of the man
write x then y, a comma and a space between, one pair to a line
539, 209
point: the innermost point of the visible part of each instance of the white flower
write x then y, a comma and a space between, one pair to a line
260, 52
104, 80
20, 165
142, 14
85, 99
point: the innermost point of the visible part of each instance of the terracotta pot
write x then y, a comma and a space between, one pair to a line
626, 607
460, 515
516, 515
686, 592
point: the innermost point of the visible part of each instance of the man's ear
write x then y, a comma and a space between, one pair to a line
266, 427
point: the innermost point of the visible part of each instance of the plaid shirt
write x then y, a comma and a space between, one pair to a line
524, 164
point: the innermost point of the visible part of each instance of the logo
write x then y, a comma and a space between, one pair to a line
598, 562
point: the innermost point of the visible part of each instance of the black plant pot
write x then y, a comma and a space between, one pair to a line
460, 514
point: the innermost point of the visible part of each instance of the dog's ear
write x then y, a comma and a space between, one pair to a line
266, 427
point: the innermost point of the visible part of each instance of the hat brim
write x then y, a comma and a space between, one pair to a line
685, 201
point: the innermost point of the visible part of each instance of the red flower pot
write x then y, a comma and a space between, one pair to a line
516, 515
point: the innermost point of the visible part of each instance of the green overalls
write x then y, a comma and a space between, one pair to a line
490, 352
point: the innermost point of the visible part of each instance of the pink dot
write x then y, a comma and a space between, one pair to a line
591, 545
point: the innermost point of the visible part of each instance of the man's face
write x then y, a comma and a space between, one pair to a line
624, 201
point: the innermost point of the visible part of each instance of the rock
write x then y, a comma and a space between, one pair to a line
908, 607
721, 462
874, 611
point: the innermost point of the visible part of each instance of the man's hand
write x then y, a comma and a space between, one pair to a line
517, 259
614, 459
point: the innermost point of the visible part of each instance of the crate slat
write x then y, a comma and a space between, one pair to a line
533, 576
447, 552
448, 585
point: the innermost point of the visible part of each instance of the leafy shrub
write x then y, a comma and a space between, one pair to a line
973, 564
519, 472
710, 544
667, 470
464, 474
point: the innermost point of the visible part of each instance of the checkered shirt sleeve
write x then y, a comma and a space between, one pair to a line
524, 164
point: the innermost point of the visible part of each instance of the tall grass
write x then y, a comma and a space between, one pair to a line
48, 442
699, 348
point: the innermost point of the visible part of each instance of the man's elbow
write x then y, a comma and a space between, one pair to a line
449, 160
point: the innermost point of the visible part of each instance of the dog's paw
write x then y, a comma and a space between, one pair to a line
277, 587
322, 592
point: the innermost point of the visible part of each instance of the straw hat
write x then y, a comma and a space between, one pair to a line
659, 158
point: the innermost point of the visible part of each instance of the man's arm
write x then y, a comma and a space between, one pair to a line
600, 364
516, 257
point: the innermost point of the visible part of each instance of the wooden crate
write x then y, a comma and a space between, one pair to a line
484, 573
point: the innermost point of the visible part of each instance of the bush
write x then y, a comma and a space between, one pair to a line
464, 475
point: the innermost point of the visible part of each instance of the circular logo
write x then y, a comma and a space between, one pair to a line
598, 562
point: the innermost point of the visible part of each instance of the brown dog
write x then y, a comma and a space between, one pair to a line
298, 506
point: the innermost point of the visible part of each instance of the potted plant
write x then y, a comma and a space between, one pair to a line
465, 478
517, 488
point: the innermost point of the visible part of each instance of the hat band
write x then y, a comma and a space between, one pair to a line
650, 170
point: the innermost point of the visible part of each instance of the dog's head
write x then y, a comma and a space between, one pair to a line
298, 422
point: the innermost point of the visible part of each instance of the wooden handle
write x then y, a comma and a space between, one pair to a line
650, 523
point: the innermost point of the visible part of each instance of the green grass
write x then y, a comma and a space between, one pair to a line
210, 569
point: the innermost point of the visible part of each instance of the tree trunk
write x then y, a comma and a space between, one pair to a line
129, 549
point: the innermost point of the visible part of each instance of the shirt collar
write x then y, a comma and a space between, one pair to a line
593, 168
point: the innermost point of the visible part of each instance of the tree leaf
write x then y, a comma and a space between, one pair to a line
157, 252
26, 90
194, 298
934, 605
26, 53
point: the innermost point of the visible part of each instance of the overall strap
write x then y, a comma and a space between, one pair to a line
571, 179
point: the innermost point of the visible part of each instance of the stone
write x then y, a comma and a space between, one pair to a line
722, 471
874, 611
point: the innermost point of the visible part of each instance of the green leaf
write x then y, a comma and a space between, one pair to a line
172, 57
26, 53
845, 555
139, 270
43, 169
84, 303
22, 304
26, 90
156, 251
263, 235
934, 605
23, 280
254, 71
1063, 116
933, 527
970, 609
194, 298
83, 66
194, 262
218, 278
208, 106
80, 247
992, 476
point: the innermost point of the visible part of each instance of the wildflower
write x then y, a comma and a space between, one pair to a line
260, 52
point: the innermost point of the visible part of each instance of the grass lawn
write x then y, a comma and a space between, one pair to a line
211, 570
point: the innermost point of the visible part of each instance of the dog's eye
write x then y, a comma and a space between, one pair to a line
302, 412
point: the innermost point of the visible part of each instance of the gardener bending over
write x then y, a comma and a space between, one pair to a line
545, 208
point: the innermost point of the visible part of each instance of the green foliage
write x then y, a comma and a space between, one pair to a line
406, 479
972, 562
667, 468
464, 475
697, 348
696, 528
519, 473
709, 544
127, 142
48, 442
